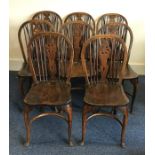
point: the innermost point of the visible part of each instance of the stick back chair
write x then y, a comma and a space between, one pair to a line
50, 60
26, 31
125, 32
101, 91
77, 32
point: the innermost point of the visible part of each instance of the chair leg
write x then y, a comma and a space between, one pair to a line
85, 110
69, 113
27, 109
21, 85
125, 121
135, 85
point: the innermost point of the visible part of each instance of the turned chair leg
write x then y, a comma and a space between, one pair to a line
21, 85
135, 85
85, 110
125, 121
27, 109
69, 113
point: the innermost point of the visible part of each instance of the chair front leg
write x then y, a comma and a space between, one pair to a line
27, 109
68, 109
21, 85
86, 109
124, 124
135, 85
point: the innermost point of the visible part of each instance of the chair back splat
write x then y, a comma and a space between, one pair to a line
120, 29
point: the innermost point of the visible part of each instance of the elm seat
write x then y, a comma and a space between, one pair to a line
49, 93
104, 94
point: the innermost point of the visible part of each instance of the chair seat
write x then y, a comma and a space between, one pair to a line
24, 71
104, 94
129, 73
77, 70
49, 93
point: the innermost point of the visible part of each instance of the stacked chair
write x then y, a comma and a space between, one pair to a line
117, 24
50, 61
77, 32
26, 31
55, 51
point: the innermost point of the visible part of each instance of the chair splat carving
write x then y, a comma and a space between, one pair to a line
51, 50
104, 53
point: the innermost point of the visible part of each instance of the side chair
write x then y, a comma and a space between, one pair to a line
50, 61
102, 92
26, 31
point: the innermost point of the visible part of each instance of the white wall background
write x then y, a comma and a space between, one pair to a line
22, 10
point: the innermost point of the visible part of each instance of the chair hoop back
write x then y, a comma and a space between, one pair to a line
50, 57
101, 64
28, 29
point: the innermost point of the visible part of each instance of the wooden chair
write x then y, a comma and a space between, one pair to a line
102, 91
51, 17
50, 60
125, 32
26, 31
77, 32
80, 16
110, 18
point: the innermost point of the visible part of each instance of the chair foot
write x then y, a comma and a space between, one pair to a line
123, 145
70, 143
135, 85
82, 143
26, 144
